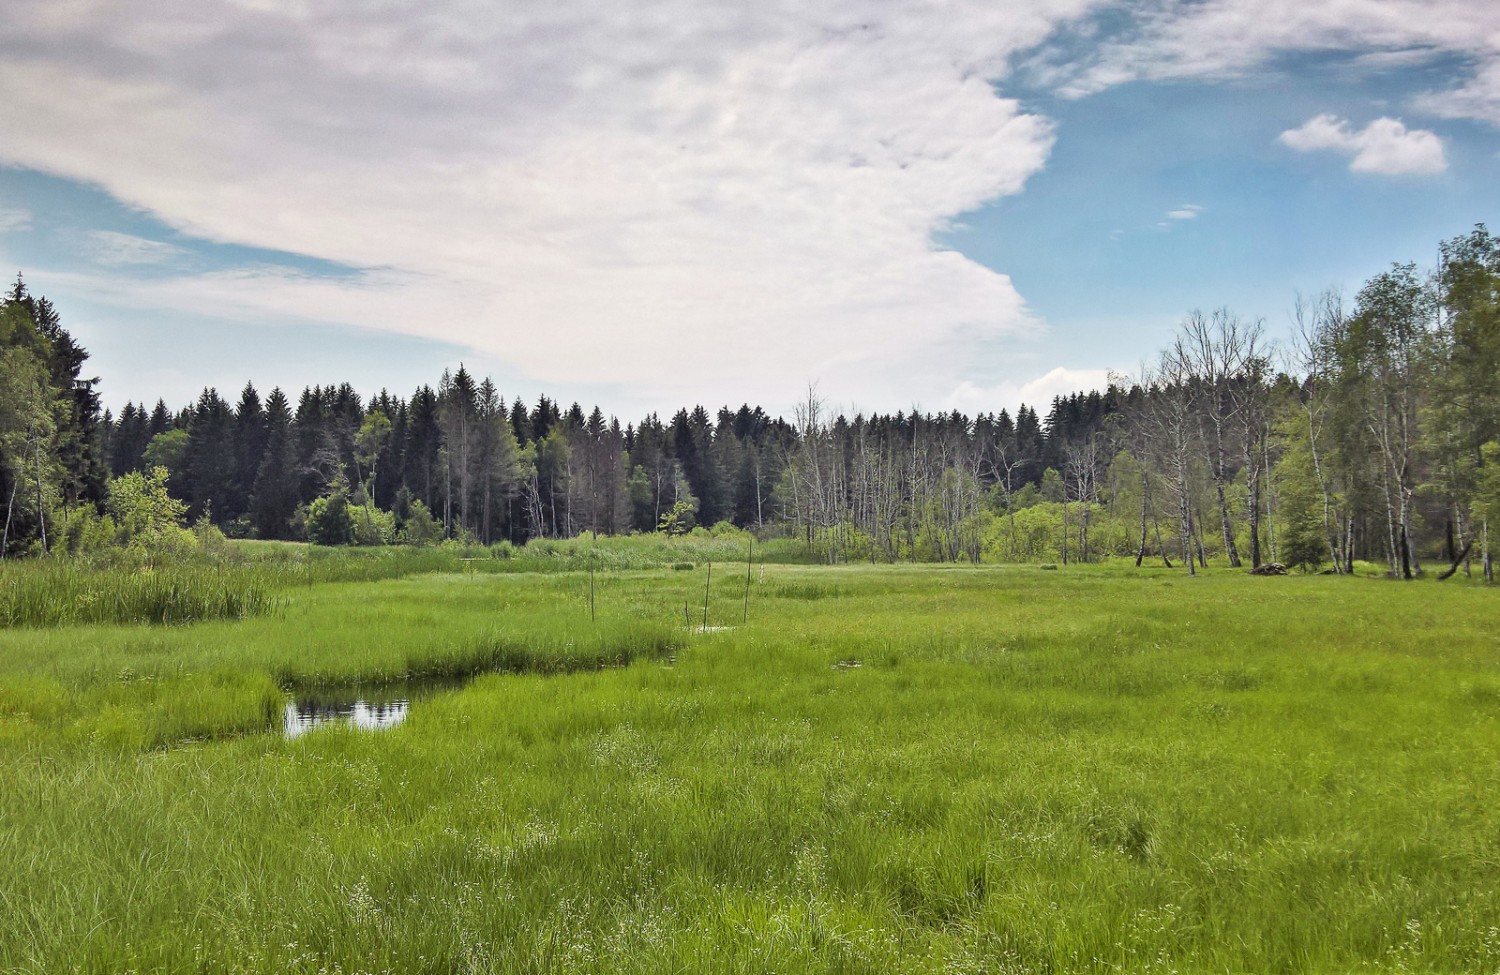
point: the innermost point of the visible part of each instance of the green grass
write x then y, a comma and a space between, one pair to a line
893, 769
248, 578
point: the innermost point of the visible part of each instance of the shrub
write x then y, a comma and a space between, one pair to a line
373, 526
420, 527
330, 520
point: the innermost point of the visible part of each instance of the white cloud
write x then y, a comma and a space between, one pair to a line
14, 219
1385, 146
1038, 392
1188, 211
702, 198
1230, 38
1479, 98
114, 249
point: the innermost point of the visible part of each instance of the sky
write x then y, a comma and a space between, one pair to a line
935, 204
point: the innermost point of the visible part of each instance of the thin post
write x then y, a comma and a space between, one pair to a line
749, 562
592, 617
708, 579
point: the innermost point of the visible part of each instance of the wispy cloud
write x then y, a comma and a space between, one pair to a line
113, 249
1232, 38
1385, 146
1479, 98
1188, 211
13, 219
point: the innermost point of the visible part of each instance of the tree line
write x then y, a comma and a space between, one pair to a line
1372, 434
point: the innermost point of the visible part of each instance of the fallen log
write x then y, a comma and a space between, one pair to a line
1458, 561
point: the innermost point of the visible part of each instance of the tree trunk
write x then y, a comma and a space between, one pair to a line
1489, 572
1160, 546
1186, 520
9, 508
1252, 500
1065, 532
1331, 536
1454, 567
41, 514
1140, 554
1227, 528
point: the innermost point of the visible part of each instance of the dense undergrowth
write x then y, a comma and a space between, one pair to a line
240, 579
886, 769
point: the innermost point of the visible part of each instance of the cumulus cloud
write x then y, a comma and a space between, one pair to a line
1385, 146
1038, 392
702, 198
14, 219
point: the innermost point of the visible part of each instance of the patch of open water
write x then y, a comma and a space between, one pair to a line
371, 707
303, 716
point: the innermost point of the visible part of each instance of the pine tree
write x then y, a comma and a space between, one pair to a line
210, 465
249, 448
274, 497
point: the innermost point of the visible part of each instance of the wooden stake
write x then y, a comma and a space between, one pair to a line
706, 581
749, 563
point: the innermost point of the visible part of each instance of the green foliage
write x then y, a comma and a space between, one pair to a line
679, 520
1487, 493
83, 531
1028, 496
330, 519
1303, 536
168, 450
420, 528
373, 526
142, 507
1035, 533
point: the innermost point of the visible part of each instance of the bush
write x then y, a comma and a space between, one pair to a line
373, 526
330, 521
420, 527
83, 531
142, 508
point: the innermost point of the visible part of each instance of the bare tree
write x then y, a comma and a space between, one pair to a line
1214, 351
1173, 422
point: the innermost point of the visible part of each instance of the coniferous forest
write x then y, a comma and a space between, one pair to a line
1367, 430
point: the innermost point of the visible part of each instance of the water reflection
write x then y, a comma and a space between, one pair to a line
305, 714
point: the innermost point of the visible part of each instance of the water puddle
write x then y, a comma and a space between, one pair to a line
369, 708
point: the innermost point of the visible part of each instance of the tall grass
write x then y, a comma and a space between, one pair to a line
251, 578
61, 592
1087, 770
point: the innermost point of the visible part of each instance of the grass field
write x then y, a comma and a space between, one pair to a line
888, 769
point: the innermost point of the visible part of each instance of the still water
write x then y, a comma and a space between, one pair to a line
372, 708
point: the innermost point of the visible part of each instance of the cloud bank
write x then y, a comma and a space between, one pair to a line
689, 196
698, 198
1385, 146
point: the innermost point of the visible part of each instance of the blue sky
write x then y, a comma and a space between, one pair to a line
905, 203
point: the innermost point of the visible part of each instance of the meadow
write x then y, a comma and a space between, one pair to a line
956, 769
